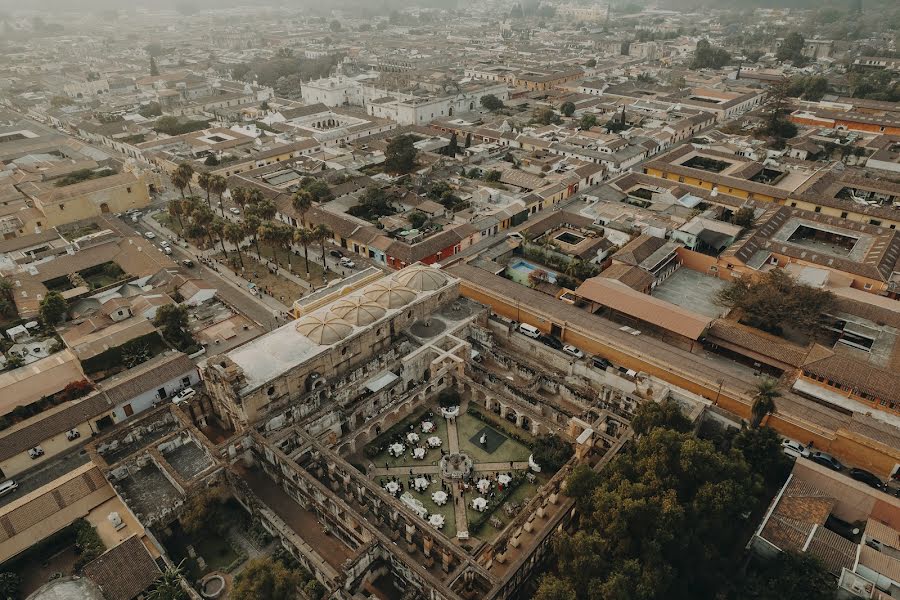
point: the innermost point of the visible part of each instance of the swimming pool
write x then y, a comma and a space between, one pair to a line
519, 269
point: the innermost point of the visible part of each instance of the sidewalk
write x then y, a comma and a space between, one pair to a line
220, 269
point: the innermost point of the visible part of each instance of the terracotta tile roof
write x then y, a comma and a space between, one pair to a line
850, 372
32, 509
757, 341
123, 572
634, 277
19, 440
834, 551
621, 298
786, 533
148, 376
639, 249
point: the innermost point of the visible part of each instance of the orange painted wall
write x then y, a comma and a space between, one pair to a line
845, 445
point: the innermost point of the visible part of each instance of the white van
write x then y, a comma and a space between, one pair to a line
8, 487
529, 330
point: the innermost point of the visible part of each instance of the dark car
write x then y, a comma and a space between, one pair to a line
187, 262
826, 460
600, 362
867, 478
336, 253
549, 340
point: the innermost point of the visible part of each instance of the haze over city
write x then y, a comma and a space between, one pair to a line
446, 299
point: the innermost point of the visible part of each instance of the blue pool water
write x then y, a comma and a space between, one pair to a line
519, 270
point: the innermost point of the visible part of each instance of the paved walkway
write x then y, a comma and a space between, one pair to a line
453, 435
271, 305
501, 466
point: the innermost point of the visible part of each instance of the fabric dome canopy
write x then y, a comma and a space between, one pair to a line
389, 294
324, 330
359, 311
421, 278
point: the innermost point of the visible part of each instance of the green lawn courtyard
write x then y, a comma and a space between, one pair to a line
432, 455
504, 443
470, 430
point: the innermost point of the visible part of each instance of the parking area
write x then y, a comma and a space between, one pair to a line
692, 291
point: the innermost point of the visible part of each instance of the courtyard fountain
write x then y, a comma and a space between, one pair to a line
456, 466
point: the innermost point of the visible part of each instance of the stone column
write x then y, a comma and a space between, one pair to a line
445, 555
519, 418
503, 410
410, 540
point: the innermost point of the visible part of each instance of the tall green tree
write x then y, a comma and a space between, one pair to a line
252, 223
204, 180
659, 523
266, 578
235, 234
172, 320
302, 201
775, 301
400, 154
53, 308
321, 233
491, 102
568, 109
186, 174
304, 236
763, 400
217, 185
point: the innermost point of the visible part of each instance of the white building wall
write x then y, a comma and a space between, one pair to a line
145, 401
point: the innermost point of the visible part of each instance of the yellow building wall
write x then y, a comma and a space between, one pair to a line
117, 199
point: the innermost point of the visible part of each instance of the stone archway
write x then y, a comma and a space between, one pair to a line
104, 208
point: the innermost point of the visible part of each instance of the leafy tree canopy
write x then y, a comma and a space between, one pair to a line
775, 300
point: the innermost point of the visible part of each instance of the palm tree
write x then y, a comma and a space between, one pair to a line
321, 233
187, 173
168, 585
204, 180
254, 197
218, 227
240, 195
304, 237
302, 202
218, 185
235, 234
202, 218
179, 180
265, 209
175, 207
284, 240
269, 233
763, 400
252, 224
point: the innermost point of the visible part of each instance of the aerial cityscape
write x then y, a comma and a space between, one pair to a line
450, 300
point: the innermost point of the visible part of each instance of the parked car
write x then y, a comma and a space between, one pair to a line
234, 211
600, 362
164, 243
867, 478
336, 253
184, 395
8, 487
549, 340
573, 351
188, 263
794, 449
826, 460
166, 250
529, 330
346, 262
149, 235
